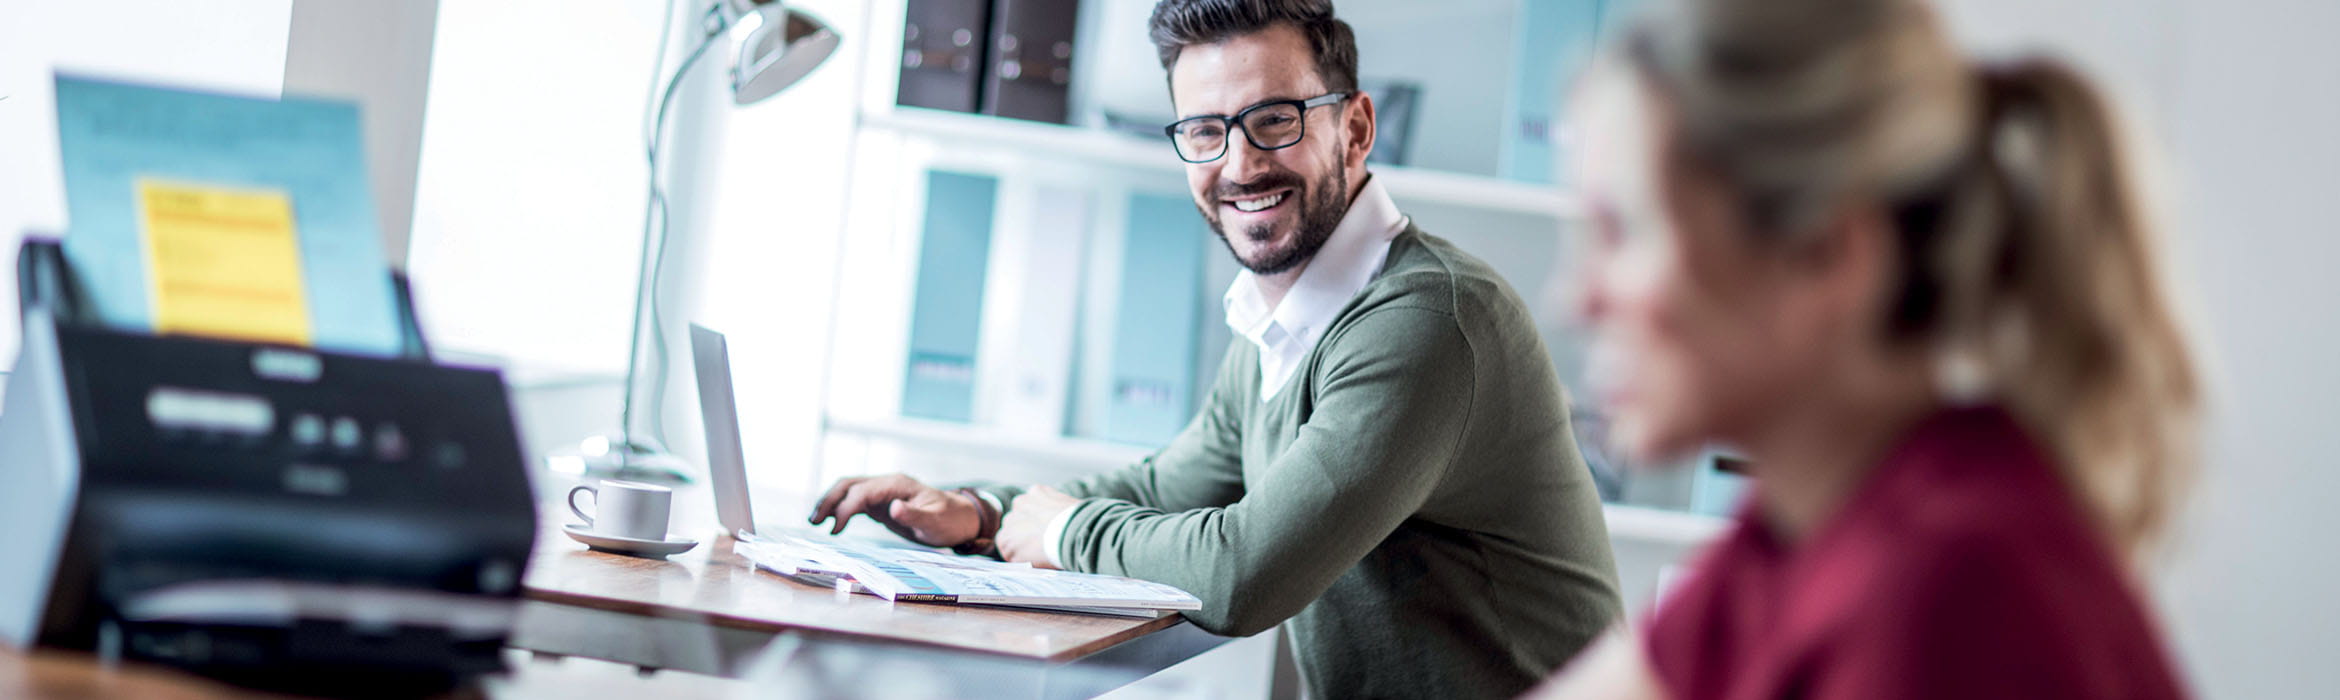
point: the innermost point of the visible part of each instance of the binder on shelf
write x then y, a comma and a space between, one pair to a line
1155, 327
1721, 483
1555, 40
1395, 103
947, 306
943, 51
1029, 71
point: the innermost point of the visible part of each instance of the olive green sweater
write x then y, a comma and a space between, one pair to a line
1412, 507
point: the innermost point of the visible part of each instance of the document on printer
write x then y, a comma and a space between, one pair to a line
905, 575
225, 216
223, 262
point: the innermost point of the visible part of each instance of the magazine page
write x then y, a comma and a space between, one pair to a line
926, 576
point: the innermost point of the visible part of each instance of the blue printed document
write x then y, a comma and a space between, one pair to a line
223, 216
920, 576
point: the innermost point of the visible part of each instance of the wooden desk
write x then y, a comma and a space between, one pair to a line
709, 611
50, 675
47, 675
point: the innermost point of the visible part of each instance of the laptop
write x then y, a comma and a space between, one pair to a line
719, 410
727, 463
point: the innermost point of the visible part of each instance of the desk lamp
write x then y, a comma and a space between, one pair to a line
780, 46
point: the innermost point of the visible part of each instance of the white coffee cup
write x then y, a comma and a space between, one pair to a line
625, 509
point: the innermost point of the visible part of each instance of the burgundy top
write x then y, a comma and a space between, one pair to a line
1962, 568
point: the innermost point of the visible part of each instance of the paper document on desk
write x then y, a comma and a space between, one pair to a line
223, 216
930, 577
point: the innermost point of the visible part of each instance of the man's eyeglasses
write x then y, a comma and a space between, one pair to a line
1267, 125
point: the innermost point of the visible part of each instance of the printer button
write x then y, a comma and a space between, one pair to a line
449, 455
346, 434
308, 430
389, 443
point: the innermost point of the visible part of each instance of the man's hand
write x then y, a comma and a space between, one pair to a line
1023, 534
915, 511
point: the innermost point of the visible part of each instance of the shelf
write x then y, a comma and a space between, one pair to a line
1626, 522
1097, 146
1660, 526
984, 443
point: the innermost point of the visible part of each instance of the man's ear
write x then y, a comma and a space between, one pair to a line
1358, 120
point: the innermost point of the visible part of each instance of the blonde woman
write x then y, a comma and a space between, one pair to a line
1919, 293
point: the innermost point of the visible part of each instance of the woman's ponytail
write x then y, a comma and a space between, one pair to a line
2068, 303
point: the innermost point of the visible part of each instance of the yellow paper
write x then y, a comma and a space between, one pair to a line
223, 262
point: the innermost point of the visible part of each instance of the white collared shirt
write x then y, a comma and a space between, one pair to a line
1286, 332
1350, 258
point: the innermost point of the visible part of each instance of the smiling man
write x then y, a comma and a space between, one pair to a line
1384, 465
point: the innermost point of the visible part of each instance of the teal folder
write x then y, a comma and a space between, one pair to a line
1154, 328
946, 316
1555, 42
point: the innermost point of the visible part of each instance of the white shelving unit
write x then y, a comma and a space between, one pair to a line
1036, 162
1073, 455
970, 132
1661, 526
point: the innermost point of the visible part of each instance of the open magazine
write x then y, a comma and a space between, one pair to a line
922, 576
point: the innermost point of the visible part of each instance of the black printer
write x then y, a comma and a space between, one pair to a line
272, 516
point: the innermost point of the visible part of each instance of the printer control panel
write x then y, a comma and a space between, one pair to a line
306, 424
253, 421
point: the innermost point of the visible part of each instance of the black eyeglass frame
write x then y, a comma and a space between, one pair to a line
1231, 123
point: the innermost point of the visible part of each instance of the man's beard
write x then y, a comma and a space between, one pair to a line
1321, 211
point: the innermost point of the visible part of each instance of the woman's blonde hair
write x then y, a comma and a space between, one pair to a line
2026, 252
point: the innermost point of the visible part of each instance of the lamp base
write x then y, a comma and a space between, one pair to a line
613, 457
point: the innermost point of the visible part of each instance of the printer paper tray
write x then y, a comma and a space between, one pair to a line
277, 603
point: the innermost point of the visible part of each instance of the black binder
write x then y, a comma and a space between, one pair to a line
943, 45
1030, 69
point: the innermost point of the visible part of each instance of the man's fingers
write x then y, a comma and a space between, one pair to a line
881, 498
909, 514
857, 499
868, 496
828, 503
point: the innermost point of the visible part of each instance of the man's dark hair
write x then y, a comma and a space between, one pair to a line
1178, 24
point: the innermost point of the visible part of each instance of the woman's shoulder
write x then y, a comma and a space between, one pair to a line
1969, 555
1967, 506
1965, 486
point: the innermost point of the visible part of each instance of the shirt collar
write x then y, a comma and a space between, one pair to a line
1348, 260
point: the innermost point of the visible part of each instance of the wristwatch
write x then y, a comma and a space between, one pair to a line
986, 529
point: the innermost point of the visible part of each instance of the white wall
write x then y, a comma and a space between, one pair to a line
529, 207
528, 200
2244, 98
2253, 120
377, 54
228, 45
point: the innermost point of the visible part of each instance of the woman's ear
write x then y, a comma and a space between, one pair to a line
1846, 263
1359, 122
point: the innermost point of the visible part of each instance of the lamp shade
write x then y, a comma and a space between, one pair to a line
779, 52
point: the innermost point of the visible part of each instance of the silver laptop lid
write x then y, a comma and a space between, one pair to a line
718, 409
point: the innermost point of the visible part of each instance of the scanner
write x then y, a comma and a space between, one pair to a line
277, 517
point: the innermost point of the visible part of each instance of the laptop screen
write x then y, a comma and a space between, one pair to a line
726, 463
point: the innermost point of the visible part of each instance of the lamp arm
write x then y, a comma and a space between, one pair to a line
653, 257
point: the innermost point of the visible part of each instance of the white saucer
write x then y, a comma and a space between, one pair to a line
673, 544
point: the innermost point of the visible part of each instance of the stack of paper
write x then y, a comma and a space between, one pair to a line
223, 216
920, 576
